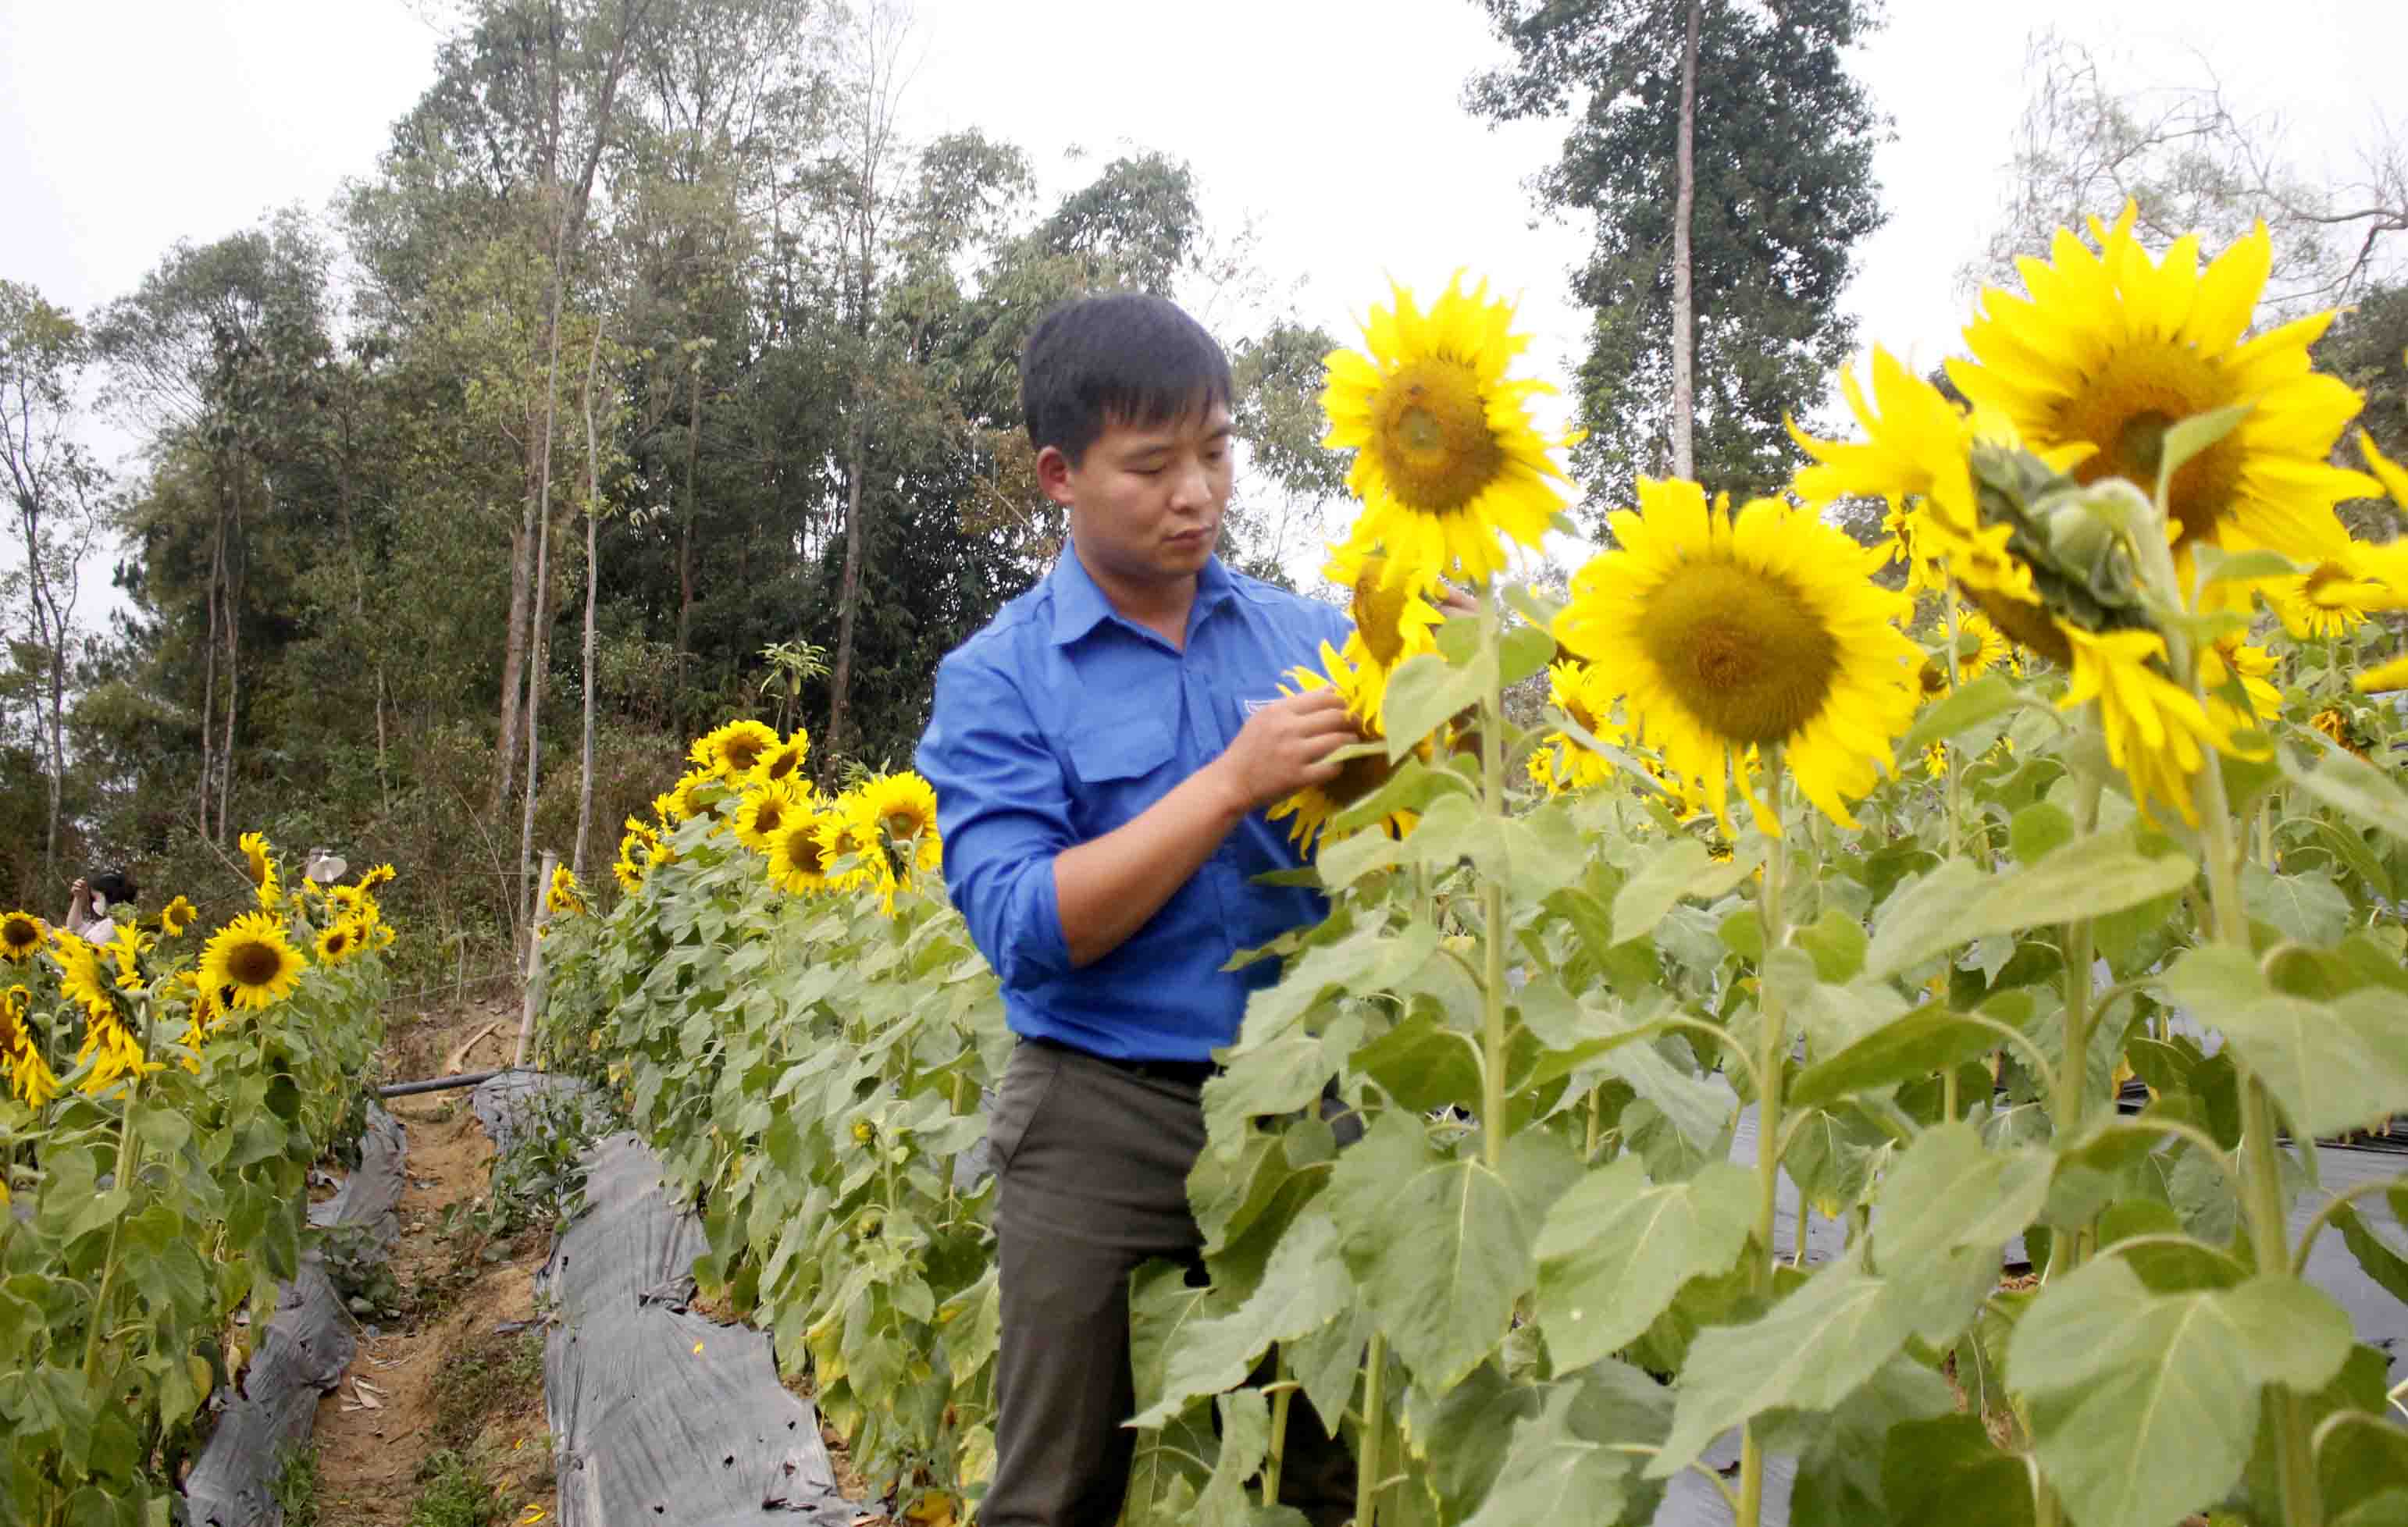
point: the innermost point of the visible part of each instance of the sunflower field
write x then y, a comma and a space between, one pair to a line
2020, 893
164, 1097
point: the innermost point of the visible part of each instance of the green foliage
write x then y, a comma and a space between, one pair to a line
811, 1070
1783, 145
149, 1218
482, 1375
297, 1485
455, 1492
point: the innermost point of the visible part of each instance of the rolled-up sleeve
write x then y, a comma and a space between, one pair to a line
1004, 814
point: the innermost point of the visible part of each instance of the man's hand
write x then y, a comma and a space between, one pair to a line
1285, 746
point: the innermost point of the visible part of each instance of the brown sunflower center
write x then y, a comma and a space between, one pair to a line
1430, 431
254, 962
803, 851
338, 941
2126, 409
782, 764
1358, 778
2027, 626
767, 815
2328, 587
900, 823
19, 935
741, 753
1743, 651
1577, 708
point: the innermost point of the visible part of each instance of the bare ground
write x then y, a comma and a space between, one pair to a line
441, 1375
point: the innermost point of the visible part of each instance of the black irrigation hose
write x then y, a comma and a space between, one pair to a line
437, 1084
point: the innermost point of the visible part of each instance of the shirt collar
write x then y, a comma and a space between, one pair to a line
1080, 605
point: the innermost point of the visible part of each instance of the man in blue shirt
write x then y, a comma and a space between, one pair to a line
1102, 753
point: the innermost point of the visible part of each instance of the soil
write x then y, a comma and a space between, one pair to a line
404, 1397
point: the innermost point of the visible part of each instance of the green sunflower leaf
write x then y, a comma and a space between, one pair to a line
1616, 1248
2330, 1064
1972, 704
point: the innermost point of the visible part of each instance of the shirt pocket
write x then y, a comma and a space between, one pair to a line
1124, 766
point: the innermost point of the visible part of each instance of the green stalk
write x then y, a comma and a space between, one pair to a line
1949, 751
1492, 895
1774, 1029
2081, 1014
2262, 1177
1375, 1421
1280, 1393
129, 1157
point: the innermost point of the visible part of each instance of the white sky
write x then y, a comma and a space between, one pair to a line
125, 125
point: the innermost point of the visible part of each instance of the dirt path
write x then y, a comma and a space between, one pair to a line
444, 1403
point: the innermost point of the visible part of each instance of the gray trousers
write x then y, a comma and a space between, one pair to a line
1093, 1161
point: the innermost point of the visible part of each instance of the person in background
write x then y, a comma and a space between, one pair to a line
90, 899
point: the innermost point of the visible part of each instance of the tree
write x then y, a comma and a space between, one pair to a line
2091, 138
56, 491
1781, 145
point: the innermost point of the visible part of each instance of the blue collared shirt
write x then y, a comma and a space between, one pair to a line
1062, 721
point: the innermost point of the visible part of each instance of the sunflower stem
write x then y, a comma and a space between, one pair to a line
1273, 1460
129, 1157
2074, 1068
1773, 1025
1375, 1419
1949, 753
2262, 1177
1492, 890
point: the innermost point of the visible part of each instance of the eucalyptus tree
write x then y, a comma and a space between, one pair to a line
56, 491
1719, 148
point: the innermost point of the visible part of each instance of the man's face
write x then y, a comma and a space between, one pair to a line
1146, 499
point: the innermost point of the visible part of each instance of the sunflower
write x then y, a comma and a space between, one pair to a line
29, 1073
80, 980
376, 878
259, 858
904, 807
1445, 456
852, 851
2157, 731
1981, 645
249, 955
764, 810
2109, 349
2221, 665
2329, 599
1586, 700
21, 936
1723, 633
176, 916
564, 897
1394, 617
125, 949
1918, 454
692, 795
1312, 807
733, 751
783, 761
338, 943
797, 865
1935, 759
113, 1051
2334, 723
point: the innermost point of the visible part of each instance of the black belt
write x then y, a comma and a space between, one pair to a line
1185, 1073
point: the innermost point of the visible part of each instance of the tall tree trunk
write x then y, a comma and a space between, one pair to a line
692, 503
586, 652
48, 636
847, 590
1684, 205
234, 675
210, 670
514, 642
538, 639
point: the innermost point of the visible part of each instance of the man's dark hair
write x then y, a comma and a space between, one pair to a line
1122, 355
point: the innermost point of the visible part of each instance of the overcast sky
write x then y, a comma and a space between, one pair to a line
125, 125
